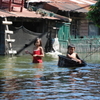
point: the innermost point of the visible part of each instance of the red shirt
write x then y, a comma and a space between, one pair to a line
37, 59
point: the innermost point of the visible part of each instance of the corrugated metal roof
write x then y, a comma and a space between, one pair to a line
65, 5
24, 14
73, 5
69, 5
37, 0
29, 14
65, 1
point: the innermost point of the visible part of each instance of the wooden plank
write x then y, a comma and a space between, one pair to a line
12, 51
10, 40
7, 22
8, 31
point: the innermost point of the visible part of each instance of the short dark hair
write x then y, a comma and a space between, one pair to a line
71, 46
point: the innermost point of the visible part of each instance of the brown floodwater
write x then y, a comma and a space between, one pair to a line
22, 80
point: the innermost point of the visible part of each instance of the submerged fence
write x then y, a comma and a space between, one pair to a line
83, 45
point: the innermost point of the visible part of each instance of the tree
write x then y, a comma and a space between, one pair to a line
94, 13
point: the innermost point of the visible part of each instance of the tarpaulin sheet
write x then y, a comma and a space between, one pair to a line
24, 39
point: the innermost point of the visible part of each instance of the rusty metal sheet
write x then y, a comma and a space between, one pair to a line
29, 14
51, 8
37, 0
24, 14
72, 5
68, 5
65, 5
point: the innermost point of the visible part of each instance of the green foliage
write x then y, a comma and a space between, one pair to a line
94, 13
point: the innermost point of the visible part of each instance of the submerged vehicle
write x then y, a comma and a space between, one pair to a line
66, 62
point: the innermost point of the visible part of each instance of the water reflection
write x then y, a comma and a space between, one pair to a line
22, 80
37, 82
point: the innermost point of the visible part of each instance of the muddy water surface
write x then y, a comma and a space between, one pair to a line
22, 80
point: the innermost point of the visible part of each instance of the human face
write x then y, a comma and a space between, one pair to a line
71, 49
37, 43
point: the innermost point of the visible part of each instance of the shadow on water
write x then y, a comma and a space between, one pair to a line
22, 80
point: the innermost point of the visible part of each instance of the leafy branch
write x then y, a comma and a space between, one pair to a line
94, 13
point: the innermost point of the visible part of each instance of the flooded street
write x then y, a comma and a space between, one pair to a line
22, 80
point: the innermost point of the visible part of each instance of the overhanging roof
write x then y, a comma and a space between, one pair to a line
37, 0
29, 14
25, 14
73, 5
69, 5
